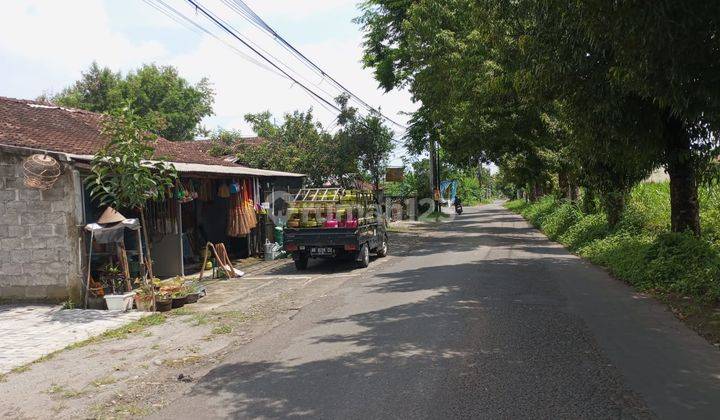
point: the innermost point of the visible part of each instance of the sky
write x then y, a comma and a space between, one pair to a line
46, 44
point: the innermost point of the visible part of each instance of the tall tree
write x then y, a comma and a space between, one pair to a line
366, 139
155, 92
299, 144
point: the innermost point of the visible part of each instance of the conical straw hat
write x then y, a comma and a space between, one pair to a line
110, 215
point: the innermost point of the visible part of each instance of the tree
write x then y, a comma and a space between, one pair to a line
365, 138
122, 175
97, 90
631, 87
155, 92
299, 144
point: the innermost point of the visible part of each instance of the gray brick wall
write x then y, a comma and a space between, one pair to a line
38, 236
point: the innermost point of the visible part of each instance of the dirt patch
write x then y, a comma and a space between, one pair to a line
703, 318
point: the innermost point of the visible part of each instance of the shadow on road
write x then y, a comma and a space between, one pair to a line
481, 338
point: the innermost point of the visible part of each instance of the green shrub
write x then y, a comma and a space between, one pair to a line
652, 201
682, 263
589, 228
710, 211
640, 250
560, 220
516, 206
623, 254
536, 212
633, 221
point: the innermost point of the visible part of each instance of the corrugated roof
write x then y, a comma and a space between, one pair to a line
48, 127
200, 168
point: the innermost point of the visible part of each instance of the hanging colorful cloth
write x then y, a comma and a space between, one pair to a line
223, 191
205, 190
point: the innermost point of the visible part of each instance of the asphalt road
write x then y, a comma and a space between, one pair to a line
482, 318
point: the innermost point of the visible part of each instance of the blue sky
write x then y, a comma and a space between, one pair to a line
45, 44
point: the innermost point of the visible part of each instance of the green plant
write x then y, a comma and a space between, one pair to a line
125, 173
560, 220
222, 329
68, 304
587, 229
682, 263
113, 278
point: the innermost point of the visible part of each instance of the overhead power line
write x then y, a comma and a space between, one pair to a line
267, 60
232, 33
249, 14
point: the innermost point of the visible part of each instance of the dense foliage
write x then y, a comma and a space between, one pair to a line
154, 92
640, 249
121, 175
359, 150
560, 93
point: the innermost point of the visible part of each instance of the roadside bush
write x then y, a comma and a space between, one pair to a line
536, 212
624, 254
640, 250
634, 221
560, 220
516, 206
710, 212
682, 263
652, 201
589, 228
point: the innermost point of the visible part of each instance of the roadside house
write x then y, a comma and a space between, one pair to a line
43, 247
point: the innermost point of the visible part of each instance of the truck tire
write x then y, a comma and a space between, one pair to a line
301, 263
363, 259
382, 249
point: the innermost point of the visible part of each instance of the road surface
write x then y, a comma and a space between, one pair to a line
481, 317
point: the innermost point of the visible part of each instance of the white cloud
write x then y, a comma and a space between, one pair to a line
59, 39
67, 36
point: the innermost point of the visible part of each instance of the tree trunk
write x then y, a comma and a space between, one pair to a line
614, 205
563, 185
148, 257
573, 191
684, 206
587, 205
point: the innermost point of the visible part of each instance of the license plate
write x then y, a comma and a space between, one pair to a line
322, 251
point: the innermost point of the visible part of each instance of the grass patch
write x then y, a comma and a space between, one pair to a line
114, 411
185, 361
199, 319
21, 369
64, 392
122, 332
105, 380
184, 311
222, 329
434, 216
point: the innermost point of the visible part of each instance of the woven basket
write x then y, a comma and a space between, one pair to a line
41, 172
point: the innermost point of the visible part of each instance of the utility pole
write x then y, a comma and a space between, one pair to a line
435, 173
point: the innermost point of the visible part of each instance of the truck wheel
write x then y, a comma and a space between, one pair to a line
302, 262
382, 249
363, 256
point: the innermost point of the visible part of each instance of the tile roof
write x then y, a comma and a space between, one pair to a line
49, 127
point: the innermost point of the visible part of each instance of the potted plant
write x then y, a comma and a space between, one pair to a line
144, 298
163, 302
193, 290
179, 298
118, 300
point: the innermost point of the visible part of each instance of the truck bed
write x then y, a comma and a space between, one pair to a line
329, 236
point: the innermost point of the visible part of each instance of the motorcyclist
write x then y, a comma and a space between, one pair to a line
458, 205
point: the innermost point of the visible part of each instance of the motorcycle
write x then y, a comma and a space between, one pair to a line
458, 207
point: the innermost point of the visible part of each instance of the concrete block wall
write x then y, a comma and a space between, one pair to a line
39, 240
